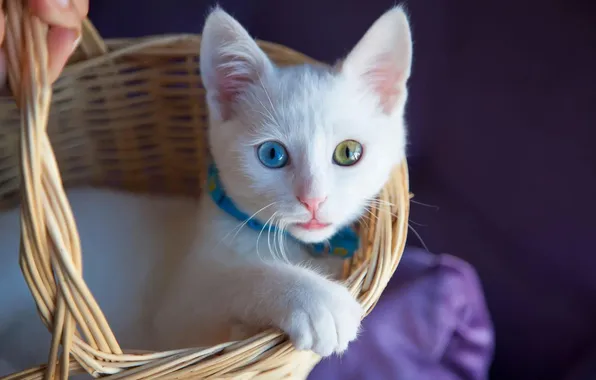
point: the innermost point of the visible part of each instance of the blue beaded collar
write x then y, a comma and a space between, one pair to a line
343, 244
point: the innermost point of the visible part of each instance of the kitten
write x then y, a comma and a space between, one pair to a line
301, 149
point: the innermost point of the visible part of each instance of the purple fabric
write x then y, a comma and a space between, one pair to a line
431, 323
502, 119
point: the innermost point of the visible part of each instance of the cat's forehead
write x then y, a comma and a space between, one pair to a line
308, 99
300, 90
301, 79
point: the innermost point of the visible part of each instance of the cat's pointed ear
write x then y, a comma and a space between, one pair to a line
383, 57
230, 60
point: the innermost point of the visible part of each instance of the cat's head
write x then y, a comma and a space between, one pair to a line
306, 147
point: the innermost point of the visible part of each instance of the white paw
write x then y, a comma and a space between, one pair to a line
323, 318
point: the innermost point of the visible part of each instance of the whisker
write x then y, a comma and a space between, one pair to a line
381, 201
276, 238
242, 224
266, 115
284, 239
280, 239
269, 115
271, 243
382, 209
276, 255
372, 213
424, 204
261, 232
417, 224
269, 98
419, 237
364, 219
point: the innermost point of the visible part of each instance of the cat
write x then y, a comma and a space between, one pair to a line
303, 150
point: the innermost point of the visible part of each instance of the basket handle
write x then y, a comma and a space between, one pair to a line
92, 44
50, 252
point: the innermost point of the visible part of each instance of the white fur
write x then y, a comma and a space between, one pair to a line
171, 272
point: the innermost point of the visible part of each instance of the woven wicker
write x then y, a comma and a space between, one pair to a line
130, 114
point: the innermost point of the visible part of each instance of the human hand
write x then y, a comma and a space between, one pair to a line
65, 19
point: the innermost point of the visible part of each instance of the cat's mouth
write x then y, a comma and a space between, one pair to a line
313, 231
312, 225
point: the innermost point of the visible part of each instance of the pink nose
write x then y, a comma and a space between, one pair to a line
312, 204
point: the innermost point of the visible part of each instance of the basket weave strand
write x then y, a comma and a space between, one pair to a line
135, 118
50, 253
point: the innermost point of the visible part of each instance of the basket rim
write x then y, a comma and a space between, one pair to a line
128, 46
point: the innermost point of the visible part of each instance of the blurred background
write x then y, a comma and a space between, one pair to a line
502, 118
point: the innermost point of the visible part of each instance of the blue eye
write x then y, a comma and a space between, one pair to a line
272, 154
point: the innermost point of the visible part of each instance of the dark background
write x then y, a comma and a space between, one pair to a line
502, 116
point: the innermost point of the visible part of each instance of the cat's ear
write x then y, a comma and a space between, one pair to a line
230, 60
383, 57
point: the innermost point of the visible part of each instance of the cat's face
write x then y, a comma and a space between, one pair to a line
303, 148
286, 143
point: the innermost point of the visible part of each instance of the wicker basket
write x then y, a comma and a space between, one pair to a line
131, 114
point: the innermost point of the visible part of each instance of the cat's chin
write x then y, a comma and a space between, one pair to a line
312, 236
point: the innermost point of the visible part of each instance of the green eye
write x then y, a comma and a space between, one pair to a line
347, 153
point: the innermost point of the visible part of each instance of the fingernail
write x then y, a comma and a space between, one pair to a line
63, 3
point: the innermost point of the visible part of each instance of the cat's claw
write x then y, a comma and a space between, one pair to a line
324, 321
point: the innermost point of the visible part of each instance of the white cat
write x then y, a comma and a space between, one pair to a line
302, 149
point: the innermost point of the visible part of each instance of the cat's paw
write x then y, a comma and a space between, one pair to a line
323, 318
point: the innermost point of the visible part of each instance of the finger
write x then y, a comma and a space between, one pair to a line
82, 7
61, 44
57, 12
2, 23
